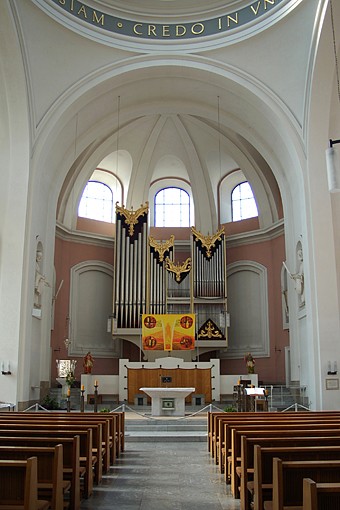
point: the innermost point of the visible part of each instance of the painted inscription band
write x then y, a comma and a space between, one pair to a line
221, 24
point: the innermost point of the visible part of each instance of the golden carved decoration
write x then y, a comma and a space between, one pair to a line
161, 246
208, 242
209, 330
178, 269
131, 216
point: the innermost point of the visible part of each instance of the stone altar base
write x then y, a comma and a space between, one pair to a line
167, 401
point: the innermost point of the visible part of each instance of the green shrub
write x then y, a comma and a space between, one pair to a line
230, 409
50, 403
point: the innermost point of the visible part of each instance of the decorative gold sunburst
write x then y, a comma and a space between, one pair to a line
208, 242
178, 269
161, 247
131, 216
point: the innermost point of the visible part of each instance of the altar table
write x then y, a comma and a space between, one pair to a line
167, 401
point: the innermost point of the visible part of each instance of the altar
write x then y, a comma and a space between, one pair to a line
167, 401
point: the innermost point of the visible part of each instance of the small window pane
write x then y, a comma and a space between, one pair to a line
96, 202
172, 208
243, 202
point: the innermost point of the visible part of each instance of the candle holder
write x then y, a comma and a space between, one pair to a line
82, 401
95, 408
68, 404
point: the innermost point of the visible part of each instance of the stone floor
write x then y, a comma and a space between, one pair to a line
163, 475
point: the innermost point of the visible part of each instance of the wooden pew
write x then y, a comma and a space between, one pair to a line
107, 423
288, 481
294, 449
71, 458
101, 438
212, 424
114, 438
18, 487
215, 417
85, 446
320, 496
284, 430
93, 457
223, 441
51, 485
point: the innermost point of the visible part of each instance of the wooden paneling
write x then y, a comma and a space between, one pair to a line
198, 378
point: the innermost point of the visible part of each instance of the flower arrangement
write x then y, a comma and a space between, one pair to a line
250, 363
70, 378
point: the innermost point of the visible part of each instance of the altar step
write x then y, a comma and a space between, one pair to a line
172, 430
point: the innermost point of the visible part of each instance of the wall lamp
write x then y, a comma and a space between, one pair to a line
3, 371
334, 370
333, 167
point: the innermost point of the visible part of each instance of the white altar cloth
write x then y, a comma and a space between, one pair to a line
163, 398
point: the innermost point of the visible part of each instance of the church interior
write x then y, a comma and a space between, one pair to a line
169, 158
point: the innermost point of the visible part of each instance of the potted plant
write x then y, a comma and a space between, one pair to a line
70, 378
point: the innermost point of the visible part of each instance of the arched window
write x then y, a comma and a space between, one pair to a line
96, 202
243, 203
172, 208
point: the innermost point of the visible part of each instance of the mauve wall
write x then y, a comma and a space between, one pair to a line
67, 255
270, 254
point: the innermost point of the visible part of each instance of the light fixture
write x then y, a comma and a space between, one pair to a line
332, 158
6, 371
334, 370
333, 167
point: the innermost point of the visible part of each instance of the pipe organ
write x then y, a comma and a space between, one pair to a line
148, 279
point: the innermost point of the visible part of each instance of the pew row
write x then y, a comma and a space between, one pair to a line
279, 430
85, 449
19, 486
288, 481
320, 496
223, 441
294, 449
51, 485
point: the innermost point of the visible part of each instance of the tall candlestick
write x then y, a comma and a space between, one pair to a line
96, 383
82, 401
95, 407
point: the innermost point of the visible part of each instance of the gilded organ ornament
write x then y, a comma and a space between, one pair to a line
209, 331
208, 242
161, 247
178, 269
131, 217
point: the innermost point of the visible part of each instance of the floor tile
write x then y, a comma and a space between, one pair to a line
171, 476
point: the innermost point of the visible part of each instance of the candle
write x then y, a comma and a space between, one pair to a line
82, 387
68, 392
96, 382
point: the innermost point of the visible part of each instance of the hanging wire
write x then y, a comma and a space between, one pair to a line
117, 158
74, 161
219, 150
335, 50
219, 134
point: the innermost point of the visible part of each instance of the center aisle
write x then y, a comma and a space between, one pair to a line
167, 475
